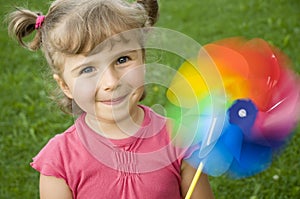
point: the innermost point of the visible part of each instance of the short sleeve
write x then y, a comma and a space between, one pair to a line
49, 160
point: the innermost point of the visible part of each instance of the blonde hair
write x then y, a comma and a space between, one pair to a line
76, 27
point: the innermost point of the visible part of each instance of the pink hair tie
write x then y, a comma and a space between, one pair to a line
39, 21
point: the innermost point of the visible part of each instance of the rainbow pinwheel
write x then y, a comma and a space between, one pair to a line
261, 106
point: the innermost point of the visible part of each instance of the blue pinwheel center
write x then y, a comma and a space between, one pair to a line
243, 113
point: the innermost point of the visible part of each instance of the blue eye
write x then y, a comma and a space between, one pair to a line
123, 60
88, 69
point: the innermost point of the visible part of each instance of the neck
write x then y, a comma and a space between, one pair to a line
117, 129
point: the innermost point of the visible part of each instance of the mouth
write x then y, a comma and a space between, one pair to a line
114, 101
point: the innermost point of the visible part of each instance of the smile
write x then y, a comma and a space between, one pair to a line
114, 101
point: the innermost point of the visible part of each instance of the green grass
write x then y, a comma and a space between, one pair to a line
29, 118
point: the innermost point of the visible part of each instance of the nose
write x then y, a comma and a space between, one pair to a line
109, 80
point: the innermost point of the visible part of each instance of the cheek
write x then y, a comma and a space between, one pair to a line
84, 92
135, 77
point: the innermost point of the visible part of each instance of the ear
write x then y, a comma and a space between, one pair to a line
63, 86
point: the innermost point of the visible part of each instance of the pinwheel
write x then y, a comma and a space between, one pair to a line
259, 113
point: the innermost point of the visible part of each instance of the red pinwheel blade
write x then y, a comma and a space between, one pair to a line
264, 71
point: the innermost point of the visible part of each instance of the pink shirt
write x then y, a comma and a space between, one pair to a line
145, 165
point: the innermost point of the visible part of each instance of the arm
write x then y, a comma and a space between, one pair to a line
54, 188
202, 189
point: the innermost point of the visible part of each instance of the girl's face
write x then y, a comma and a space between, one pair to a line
108, 83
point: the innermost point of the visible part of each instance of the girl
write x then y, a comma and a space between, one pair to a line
116, 147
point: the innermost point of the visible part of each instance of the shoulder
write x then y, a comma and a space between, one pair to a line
167, 126
156, 122
53, 157
153, 118
62, 140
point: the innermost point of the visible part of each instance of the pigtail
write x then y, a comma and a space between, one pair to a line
21, 24
151, 7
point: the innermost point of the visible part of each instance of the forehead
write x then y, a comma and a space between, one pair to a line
118, 43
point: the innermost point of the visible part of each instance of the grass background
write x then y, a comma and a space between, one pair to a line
29, 118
